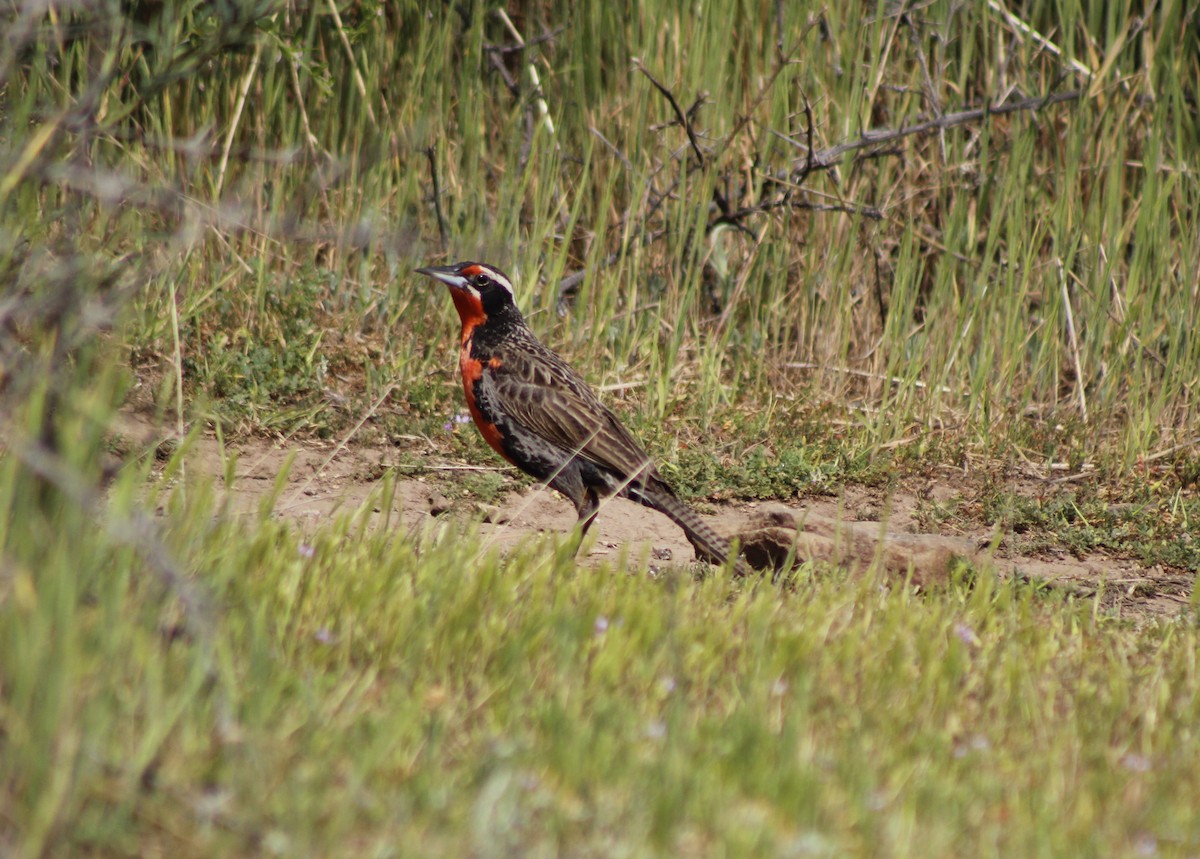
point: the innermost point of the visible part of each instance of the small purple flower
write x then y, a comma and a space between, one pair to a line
306, 550
966, 635
323, 636
1135, 763
1146, 845
601, 625
974, 743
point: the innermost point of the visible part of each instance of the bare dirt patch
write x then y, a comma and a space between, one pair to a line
860, 526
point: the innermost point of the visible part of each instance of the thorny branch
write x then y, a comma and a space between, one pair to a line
831, 157
680, 116
781, 186
518, 47
431, 154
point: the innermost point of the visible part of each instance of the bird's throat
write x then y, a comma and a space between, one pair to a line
470, 311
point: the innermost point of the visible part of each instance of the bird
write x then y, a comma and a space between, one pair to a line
540, 415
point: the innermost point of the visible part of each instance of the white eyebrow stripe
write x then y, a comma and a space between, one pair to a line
497, 276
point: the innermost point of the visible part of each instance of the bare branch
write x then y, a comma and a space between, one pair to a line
431, 154
612, 147
832, 156
680, 116
518, 47
810, 161
785, 202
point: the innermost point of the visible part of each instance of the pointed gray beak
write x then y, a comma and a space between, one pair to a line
447, 274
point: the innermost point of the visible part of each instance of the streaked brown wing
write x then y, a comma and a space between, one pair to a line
547, 397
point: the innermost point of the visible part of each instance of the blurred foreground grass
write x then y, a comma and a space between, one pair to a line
380, 694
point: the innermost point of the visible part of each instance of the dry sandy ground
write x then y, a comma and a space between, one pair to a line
852, 529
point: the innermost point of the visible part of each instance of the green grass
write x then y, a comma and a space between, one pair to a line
205, 213
364, 691
1031, 262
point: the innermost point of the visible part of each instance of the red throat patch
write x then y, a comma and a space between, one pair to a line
470, 310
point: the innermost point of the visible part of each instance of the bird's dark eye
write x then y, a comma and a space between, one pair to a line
482, 280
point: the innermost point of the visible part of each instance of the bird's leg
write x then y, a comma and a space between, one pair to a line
587, 508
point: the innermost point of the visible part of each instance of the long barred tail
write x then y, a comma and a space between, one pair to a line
709, 545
